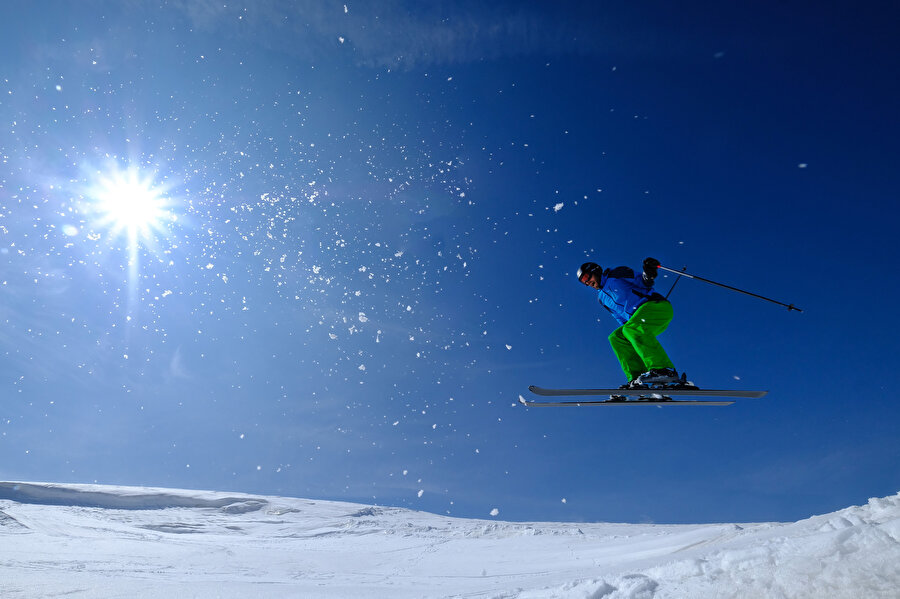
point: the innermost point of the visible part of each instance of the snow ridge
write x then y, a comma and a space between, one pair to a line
124, 498
104, 541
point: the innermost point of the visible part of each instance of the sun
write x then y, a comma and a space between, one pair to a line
127, 202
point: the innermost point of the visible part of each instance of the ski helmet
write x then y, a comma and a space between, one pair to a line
587, 269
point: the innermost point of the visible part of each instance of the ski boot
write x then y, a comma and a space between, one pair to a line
658, 378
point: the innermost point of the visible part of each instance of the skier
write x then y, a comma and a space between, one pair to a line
642, 313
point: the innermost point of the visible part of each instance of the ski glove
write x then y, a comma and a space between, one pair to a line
650, 268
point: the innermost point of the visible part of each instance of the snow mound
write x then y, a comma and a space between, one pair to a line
100, 541
125, 498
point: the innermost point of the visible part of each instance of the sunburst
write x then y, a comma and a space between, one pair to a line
127, 202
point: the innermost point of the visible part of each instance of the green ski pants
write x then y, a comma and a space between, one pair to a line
635, 344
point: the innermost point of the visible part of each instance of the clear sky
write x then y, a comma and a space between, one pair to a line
352, 232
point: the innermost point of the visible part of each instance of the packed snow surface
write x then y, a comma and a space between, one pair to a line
102, 541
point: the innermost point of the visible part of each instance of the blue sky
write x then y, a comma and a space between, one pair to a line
371, 223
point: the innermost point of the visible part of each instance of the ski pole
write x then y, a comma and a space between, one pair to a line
672, 288
690, 276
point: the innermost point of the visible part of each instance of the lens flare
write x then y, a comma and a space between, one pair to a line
125, 202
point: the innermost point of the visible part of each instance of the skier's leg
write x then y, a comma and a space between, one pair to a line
632, 364
648, 321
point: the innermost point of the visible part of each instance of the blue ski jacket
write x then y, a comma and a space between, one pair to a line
621, 292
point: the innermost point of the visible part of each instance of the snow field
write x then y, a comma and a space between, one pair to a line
95, 541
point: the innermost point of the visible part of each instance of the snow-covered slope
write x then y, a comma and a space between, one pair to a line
100, 541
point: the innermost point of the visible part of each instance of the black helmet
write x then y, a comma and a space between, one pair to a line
587, 269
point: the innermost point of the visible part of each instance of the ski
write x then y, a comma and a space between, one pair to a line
643, 392
632, 402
